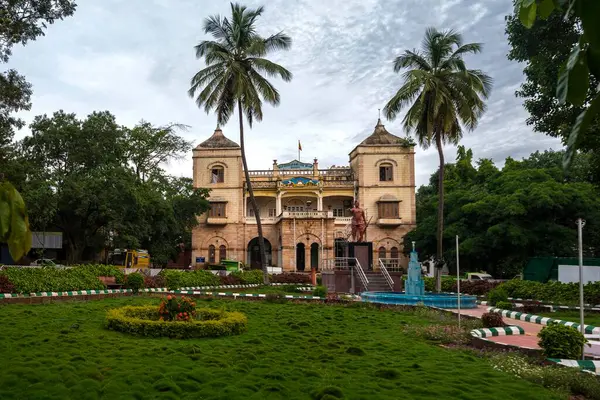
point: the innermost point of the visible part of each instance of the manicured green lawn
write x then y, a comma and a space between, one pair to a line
290, 351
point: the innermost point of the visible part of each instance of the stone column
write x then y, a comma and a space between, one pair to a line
278, 204
319, 202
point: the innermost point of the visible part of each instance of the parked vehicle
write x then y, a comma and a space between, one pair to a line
44, 262
129, 258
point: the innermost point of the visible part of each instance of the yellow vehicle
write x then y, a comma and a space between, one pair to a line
129, 258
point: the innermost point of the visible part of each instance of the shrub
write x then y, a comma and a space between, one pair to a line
179, 279
561, 341
254, 276
230, 280
492, 320
157, 281
320, 291
277, 297
144, 321
51, 279
134, 281
445, 334
180, 309
504, 305
6, 285
290, 277
496, 295
104, 270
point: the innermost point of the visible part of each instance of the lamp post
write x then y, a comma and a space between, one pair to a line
580, 225
458, 280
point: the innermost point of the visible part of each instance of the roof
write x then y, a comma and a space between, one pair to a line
388, 198
218, 141
295, 164
381, 136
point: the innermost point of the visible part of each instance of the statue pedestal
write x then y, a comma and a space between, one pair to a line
363, 252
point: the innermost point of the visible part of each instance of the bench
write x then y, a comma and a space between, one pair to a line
110, 282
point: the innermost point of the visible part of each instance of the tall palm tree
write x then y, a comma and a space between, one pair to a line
235, 77
443, 96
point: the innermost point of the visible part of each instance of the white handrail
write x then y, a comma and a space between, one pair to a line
386, 274
361, 274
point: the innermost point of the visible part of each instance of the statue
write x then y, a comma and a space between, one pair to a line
359, 223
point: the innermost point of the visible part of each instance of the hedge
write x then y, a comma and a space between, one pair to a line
144, 321
52, 279
557, 292
179, 279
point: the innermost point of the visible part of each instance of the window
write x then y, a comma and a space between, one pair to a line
250, 211
211, 254
385, 173
382, 252
217, 175
272, 212
217, 210
338, 212
222, 252
394, 257
388, 210
295, 208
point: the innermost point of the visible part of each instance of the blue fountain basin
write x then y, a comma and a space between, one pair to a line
441, 300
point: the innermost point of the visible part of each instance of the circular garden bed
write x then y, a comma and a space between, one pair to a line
151, 321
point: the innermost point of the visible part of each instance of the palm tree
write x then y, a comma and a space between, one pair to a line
443, 96
234, 77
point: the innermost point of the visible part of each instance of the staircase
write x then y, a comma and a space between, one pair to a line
377, 282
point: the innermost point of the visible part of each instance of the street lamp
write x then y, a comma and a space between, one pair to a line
580, 225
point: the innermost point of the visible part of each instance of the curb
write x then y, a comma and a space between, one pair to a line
536, 319
235, 295
500, 331
78, 293
584, 365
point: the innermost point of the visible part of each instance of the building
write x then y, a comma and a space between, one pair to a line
304, 209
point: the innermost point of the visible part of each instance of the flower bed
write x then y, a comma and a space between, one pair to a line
145, 321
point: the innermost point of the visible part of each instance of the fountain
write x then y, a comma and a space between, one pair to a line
415, 291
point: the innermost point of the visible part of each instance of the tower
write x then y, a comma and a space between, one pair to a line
218, 166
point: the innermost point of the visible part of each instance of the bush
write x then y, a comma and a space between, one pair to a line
445, 334
104, 270
557, 292
497, 295
320, 291
180, 309
290, 277
277, 298
252, 277
230, 280
144, 321
492, 320
157, 281
6, 285
504, 305
179, 279
134, 281
52, 279
561, 341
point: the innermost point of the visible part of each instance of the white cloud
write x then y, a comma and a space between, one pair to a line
135, 58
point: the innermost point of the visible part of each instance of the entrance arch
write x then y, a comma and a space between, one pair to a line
300, 257
254, 253
314, 256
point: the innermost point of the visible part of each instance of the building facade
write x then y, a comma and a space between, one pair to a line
304, 209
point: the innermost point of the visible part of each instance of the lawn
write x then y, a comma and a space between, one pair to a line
291, 351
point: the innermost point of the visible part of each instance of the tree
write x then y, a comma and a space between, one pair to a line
149, 147
445, 96
505, 216
20, 22
233, 78
573, 81
544, 48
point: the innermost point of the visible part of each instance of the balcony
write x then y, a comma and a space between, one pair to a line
307, 214
216, 221
343, 220
263, 220
389, 221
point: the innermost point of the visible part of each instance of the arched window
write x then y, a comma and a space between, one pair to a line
386, 173
382, 252
217, 174
211, 254
222, 252
394, 257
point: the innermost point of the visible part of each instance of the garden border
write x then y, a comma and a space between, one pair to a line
536, 319
235, 295
71, 293
590, 366
510, 330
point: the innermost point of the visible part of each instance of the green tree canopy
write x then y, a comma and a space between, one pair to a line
505, 216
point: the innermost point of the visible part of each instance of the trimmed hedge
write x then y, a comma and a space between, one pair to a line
557, 292
290, 277
254, 276
104, 270
179, 279
52, 279
144, 321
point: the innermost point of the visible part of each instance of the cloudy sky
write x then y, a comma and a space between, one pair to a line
135, 58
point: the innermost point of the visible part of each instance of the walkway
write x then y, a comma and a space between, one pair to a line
528, 340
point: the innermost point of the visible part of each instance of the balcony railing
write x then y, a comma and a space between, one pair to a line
341, 174
343, 220
307, 214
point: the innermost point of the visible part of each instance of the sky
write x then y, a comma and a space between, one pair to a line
135, 58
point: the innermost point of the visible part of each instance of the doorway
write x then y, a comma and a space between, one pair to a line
300, 257
314, 256
253, 256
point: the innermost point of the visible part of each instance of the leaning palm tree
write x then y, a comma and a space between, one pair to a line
234, 77
442, 97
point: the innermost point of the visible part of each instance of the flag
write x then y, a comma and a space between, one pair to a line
299, 146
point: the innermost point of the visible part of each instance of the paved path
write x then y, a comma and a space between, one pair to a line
529, 339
